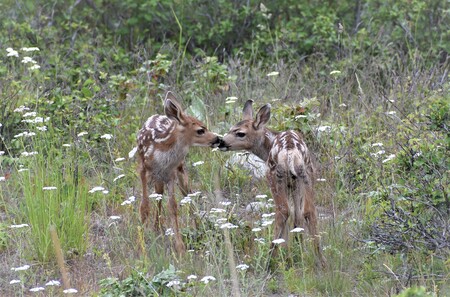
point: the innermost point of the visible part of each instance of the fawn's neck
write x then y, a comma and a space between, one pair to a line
264, 145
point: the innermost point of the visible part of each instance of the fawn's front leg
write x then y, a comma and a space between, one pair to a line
144, 208
173, 213
159, 189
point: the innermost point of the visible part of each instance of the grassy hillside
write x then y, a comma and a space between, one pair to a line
369, 89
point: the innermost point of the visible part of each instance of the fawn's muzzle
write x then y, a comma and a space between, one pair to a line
217, 142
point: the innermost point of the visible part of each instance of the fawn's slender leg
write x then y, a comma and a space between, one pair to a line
309, 213
299, 220
159, 189
173, 213
183, 182
279, 192
144, 208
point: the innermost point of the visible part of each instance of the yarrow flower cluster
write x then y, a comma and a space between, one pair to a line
207, 279
130, 200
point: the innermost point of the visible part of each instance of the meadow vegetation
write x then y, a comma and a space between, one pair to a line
367, 82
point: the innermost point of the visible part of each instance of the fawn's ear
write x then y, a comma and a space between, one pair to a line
262, 117
173, 109
247, 112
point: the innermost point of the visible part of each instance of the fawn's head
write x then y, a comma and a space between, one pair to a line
249, 132
193, 131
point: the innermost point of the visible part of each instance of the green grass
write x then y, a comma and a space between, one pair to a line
357, 189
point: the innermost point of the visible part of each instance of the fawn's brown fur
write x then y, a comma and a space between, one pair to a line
163, 143
290, 170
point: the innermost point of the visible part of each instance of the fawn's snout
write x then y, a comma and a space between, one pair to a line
223, 146
218, 142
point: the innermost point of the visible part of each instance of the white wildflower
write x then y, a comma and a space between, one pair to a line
34, 67
242, 267
23, 169
21, 109
43, 128
389, 158
198, 163
106, 136
261, 196
256, 229
335, 72
37, 289
12, 52
29, 114
2, 178
191, 277
377, 154
18, 226
27, 154
260, 240
66, 145
207, 279
82, 133
230, 100
225, 203
96, 189
342, 105
30, 49
132, 152
27, 60
321, 180
115, 218
377, 144
274, 73
268, 215
297, 230
185, 200
118, 177
25, 134
216, 210
169, 232
324, 129
221, 220
391, 113
21, 268
70, 291
228, 226
278, 241
156, 196
119, 159
266, 223
53, 283
262, 7
2, 153
194, 194
173, 283
14, 281
130, 200
49, 188
105, 192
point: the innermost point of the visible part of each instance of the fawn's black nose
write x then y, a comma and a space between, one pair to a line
217, 142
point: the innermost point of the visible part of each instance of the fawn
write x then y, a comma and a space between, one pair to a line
163, 143
290, 170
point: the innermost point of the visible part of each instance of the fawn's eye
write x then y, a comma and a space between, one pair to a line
200, 131
240, 134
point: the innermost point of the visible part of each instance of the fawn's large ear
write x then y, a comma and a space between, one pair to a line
173, 109
247, 112
262, 117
